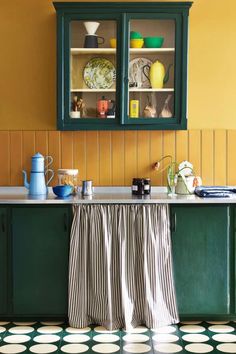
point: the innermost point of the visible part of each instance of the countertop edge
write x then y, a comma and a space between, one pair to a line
19, 196
103, 195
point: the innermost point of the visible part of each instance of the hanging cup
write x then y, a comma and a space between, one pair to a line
48, 160
49, 178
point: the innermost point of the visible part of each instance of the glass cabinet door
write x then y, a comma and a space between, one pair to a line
152, 69
91, 70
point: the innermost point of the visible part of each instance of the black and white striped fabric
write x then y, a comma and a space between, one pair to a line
120, 273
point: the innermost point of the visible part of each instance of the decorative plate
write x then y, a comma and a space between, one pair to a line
136, 73
99, 73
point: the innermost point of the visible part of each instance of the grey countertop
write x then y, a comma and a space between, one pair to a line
106, 195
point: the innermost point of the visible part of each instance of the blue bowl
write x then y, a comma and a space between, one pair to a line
62, 191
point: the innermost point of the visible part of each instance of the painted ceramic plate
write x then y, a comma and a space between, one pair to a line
99, 73
137, 77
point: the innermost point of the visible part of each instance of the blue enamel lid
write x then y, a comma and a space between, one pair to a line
38, 156
37, 163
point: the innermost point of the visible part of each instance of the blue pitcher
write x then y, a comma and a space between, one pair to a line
38, 185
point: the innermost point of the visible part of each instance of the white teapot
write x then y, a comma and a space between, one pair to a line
186, 181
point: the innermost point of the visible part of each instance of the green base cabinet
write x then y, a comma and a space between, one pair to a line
203, 260
34, 255
233, 252
3, 261
40, 253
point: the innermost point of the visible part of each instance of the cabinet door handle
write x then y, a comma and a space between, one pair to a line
173, 222
3, 223
65, 222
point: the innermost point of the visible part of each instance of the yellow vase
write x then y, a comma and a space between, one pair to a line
157, 74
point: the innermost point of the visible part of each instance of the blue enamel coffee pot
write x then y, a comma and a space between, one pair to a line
38, 184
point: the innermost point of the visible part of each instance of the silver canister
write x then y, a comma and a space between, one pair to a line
87, 188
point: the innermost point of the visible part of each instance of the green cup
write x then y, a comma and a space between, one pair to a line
153, 42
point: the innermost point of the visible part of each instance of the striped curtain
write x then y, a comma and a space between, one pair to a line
120, 273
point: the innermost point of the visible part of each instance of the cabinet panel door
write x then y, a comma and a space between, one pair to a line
91, 87
201, 252
3, 260
40, 260
153, 88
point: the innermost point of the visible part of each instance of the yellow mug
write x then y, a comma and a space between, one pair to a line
113, 42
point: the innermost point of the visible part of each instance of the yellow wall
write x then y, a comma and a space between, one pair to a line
28, 64
28, 103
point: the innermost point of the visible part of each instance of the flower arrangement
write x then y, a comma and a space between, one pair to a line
174, 170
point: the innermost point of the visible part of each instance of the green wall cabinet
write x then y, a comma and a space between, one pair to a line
3, 260
40, 252
110, 82
203, 260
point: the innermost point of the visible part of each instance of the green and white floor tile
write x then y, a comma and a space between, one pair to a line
57, 337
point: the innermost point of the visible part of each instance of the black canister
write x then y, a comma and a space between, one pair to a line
147, 186
138, 186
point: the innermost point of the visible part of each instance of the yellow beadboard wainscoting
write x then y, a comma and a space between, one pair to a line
114, 158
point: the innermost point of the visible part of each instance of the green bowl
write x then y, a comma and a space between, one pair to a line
153, 42
135, 35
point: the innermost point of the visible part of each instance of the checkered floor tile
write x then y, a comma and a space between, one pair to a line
57, 337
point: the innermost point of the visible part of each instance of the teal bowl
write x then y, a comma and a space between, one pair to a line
135, 35
62, 191
153, 42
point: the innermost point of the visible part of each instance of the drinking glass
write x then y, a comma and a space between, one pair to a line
172, 181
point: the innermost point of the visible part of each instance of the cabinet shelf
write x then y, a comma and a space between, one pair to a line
130, 90
151, 50
92, 90
151, 90
76, 51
